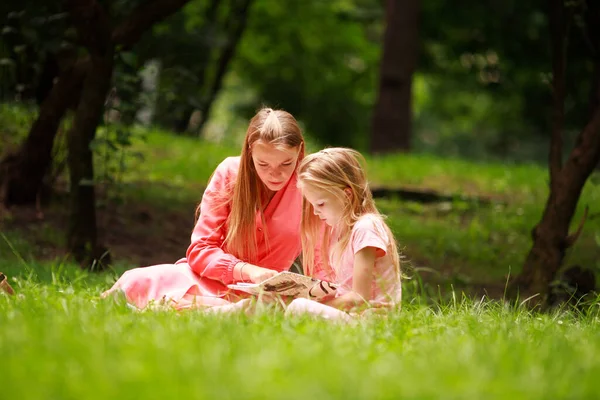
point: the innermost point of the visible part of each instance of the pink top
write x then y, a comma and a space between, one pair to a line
207, 255
369, 232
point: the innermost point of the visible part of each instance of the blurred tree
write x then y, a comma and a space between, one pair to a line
574, 33
194, 49
484, 67
316, 59
102, 30
391, 128
235, 26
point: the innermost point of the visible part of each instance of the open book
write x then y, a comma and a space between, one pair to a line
289, 284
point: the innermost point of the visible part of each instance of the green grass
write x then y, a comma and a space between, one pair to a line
177, 160
59, 340
458, 176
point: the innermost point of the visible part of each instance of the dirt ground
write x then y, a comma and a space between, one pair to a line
138, 234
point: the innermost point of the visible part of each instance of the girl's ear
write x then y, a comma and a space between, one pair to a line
348, 192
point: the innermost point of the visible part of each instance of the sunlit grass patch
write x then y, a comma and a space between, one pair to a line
61, 336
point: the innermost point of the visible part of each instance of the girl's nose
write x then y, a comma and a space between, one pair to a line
276, 173
315, 211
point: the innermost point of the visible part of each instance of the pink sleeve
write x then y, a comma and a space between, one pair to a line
205, 254
368, 232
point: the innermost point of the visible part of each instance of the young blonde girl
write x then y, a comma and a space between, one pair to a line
358, 250
247, 226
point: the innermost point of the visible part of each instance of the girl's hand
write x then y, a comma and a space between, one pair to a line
253, 273
258, 274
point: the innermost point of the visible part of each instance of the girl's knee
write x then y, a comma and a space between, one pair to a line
298, 306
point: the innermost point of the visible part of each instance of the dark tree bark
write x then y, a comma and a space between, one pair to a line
392, 117
551, 235
181, 124
82, 233
238, 21
92, 25
23, 171
50, 71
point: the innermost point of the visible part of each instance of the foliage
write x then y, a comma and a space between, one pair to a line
30, 33
485, 70
14, 121
188, 48
481, 90
317, 60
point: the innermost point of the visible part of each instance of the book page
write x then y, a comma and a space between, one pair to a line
288, 284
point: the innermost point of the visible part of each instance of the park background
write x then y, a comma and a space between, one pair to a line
480, 122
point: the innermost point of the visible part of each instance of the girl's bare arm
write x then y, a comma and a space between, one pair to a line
362, 282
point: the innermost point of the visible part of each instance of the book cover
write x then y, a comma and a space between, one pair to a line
289, 284
4, 285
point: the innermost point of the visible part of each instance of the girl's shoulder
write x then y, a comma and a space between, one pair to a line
227, 170
224, 175
370, 230
228, 166
371, 222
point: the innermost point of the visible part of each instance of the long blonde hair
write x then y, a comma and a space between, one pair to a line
248, 195
336, 170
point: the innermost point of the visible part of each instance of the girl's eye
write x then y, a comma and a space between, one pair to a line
287, 164
263, 165
320, 204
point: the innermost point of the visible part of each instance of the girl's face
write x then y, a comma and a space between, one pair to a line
274, 165
326, 206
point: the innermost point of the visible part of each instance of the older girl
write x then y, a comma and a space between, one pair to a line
248, 225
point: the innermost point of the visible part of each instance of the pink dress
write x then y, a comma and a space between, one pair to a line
386, 289
208, 267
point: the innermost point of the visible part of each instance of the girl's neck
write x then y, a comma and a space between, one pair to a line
266, 198
338, 230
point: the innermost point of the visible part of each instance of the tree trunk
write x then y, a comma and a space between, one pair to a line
239, 19
23, 171
50, 71
82, 236
392, 117
93, 30
181, 125
550, 236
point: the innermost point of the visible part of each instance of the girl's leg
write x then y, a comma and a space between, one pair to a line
168, 285
242, 305
305, 306
189, 301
